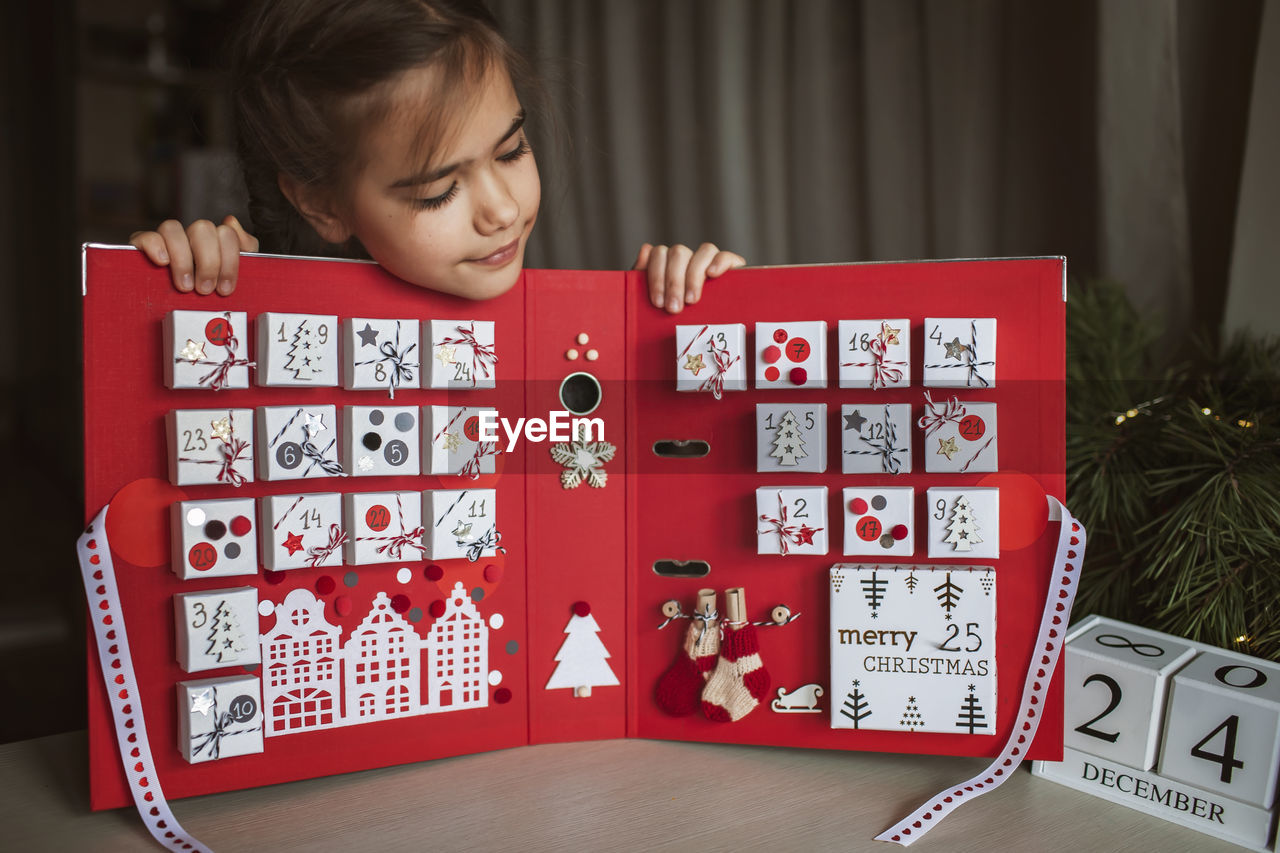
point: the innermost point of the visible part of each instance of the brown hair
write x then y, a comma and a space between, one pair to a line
308, 75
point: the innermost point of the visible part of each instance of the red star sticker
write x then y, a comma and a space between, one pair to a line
806, 535
293, 543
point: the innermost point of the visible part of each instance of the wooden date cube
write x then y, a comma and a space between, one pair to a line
1222, 727
874, 353
791, 437
875, 439
960, 352
383, 527
380, 441
461, 523
879, 521
791, 355
964, 523
380, 355
219, 718
452, 440
216, 628
301, 531
213, 538
791, 520
297, 350
297, 442
1117, 681
711, 358
463, 354
210, 446
206, 349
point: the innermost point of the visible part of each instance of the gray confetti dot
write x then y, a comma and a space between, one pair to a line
512, 647
886, 541
376, 417
404, 421
232, 550
415, 614
477, 594
878, 502
350, 579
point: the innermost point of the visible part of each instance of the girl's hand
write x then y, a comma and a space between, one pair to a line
676, 273
202, 257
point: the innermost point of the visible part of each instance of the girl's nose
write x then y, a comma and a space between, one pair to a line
496, 206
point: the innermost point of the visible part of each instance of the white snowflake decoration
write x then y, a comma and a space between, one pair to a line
583, 461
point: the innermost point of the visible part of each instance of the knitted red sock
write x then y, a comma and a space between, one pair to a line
679, 691
740, 680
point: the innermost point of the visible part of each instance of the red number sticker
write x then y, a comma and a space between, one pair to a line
218, 331
377, 518
797, 349
972, 428
202, 556
471, 429
869, 529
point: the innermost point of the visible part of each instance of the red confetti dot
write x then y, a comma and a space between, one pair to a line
433, 572
400, 602
798, 376
899, 532
771, 374
581, 608
273, 577
771, 354
325, 584
502, 696
436, 609
342, 605
493, 573
240, 525
859, 506
780, 335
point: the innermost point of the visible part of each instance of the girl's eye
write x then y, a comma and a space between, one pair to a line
438, 201
516, 153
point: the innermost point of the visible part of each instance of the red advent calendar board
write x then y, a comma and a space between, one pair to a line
808, 511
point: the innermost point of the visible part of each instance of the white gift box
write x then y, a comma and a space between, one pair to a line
960, 352
452, 440
380, 355
380, 441
219, 718
791, 520
463, 354
791, 355
297, 442
302, 531
213, 538
216, 628
874, 353
791, 437
297, 350
210, 446
383, 527
461, 523
206, 349
711, 358
964, 523
875, 439
879, 521
960, 437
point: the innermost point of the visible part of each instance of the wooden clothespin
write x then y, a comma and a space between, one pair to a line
735, 605
706, 601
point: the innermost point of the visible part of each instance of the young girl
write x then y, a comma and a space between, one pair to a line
394, 130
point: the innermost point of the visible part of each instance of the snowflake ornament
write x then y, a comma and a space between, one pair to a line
583, 461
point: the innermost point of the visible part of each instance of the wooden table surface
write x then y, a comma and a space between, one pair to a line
609, 795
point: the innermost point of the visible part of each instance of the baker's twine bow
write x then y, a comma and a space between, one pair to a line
482, 355
490, 539
935, 416
217, 378
721, 362
320, 553
787, 534
882, 375
483, 449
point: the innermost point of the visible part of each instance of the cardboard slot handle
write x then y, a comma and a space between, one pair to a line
681, 448
681, 568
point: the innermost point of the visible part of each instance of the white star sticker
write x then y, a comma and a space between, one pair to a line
314, 425
202, 702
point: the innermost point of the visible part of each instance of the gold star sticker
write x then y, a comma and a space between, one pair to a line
947, 446
955, 349
890, 336
452, 442
693, 363
444, 354
193, 351
221, 429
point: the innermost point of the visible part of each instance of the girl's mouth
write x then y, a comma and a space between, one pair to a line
501, 257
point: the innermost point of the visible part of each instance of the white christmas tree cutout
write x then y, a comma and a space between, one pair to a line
226, 640
962, 530
788, 444
582, 662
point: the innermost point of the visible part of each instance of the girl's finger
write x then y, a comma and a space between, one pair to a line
642, 258
207, 252
655, 271
725, 261
181, 267
697, 273
152, 245
678, 258
246, 241
229, 243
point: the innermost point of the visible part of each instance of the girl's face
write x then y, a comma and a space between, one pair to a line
462, 227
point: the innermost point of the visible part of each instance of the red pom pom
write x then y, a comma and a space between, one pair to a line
771, 374
502, 696
433, 572
780, 335
859, 506
436, 609
493, 573
325, 585
400, 602
899, 532
581, 608
273, 577
342, 605
240, 525
770, 354
798, 376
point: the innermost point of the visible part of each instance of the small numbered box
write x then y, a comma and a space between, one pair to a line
875, 439
964, 523
879, 521
463, 354
453, 440
210, 446
302, 531
297, 350
219, 718
874, 353
1222, 727
216, 628
791, 437
206, 349
960, 352
383, 527
380, 355
461, 523
960, 437
791, 520
711, 358
213, 538
791, 355
1117, 683
380, 441
297, 442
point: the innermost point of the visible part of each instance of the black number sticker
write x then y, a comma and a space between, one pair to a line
1087, 728
1227, 758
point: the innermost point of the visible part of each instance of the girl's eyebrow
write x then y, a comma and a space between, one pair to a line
443, 171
